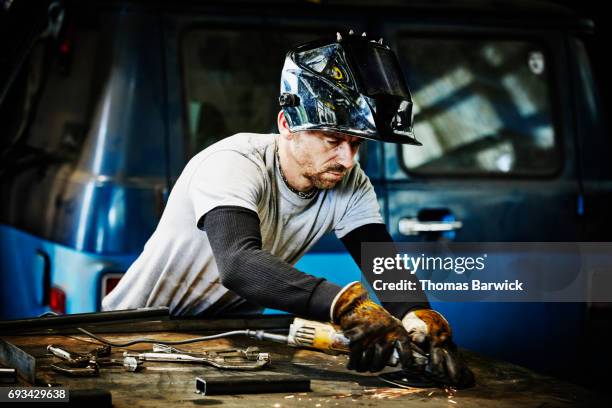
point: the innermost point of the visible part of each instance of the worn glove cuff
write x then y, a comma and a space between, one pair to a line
333, 313
427, 323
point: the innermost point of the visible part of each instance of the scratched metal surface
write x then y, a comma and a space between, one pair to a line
499, 384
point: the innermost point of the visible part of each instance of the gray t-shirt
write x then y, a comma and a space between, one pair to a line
177, 267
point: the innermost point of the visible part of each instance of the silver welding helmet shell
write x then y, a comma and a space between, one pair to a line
351, 85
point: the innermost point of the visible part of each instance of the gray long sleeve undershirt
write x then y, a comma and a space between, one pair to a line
257, 275
264, 279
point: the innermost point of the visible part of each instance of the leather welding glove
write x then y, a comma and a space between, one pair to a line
430, 331
372, 331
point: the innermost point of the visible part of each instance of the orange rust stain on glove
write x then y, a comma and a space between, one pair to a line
438, 328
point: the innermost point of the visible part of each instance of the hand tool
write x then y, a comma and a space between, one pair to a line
325, 337
227, 359
328, 338
88, 364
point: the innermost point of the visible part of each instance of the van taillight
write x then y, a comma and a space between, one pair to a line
57, 300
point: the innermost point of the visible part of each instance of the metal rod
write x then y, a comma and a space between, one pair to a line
47, 322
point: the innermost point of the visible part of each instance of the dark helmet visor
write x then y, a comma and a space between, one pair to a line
377, 69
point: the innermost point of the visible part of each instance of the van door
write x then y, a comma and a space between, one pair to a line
497, 164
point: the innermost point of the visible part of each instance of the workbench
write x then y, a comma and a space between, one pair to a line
499, 384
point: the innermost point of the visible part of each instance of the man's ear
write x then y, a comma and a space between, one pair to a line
283, 126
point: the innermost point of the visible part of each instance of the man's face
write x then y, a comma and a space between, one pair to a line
324, 157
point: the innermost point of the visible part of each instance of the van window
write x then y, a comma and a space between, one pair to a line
481, 107
45, 117
48, 108
232, 81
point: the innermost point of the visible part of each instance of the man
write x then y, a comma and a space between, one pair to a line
247, 208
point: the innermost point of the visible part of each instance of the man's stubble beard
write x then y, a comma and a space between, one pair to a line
318, 179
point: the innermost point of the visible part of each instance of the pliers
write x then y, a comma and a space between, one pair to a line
88, 364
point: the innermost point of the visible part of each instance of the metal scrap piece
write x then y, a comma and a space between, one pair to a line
13, 356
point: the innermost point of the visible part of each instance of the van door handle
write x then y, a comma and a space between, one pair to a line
412, 226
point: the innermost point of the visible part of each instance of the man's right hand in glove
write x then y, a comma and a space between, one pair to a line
372, 331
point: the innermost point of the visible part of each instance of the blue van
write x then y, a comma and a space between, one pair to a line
105, 102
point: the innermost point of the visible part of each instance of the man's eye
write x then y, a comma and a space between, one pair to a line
333, 142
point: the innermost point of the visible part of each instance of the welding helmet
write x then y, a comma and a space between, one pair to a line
349, 84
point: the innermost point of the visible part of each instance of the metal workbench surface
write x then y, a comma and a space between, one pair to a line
499, 384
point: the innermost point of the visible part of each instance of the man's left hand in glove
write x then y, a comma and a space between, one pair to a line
372, 331
430, 330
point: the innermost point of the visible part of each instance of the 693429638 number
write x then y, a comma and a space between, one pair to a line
34, 394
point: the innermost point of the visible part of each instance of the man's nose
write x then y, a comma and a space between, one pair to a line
346, 155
